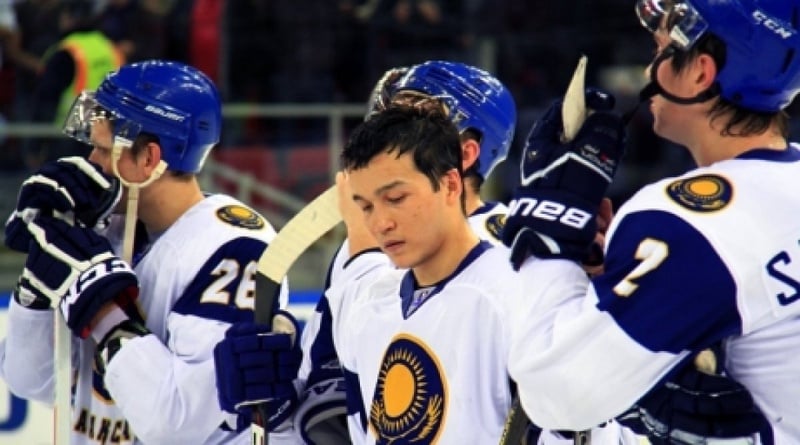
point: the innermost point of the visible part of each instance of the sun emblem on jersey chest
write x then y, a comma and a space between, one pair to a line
240, 216
410, 397
704, 193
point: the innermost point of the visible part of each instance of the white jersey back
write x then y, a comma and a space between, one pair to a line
691, 261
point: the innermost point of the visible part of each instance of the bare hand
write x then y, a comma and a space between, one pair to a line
358, 234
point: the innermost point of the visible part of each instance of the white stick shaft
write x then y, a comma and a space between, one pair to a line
131, 213
62, 356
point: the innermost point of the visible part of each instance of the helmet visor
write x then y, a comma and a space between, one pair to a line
679, 20
86, 111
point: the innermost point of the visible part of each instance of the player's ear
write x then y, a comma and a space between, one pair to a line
152, 156
470, 151
453, 185
705, 72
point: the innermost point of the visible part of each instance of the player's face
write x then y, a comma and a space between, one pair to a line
401, 209
671, 120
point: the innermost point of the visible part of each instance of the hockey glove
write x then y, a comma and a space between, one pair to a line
76, 266
693, 407
256, 365
552, 214
70, 188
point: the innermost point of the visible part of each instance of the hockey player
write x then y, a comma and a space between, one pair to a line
486, 122
486, 126
418, 300
484, 113
145, 331
706, 259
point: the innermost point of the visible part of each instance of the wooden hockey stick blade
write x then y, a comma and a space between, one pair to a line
314, 220
573, 113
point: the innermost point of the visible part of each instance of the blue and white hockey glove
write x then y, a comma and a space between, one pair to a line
72, 188
552, 214
256, 365
77, 267
695, 407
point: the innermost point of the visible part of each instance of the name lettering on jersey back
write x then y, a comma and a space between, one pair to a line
103, 430
550, 211
782, 268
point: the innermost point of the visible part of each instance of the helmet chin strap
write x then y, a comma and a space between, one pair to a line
131, 212
654, 88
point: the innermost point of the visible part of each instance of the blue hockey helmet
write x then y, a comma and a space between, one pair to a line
175, 102
762, 64
475, 100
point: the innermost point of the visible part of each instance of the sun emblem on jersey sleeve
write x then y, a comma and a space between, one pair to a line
410, 395
495, 224
240, 216
704, 193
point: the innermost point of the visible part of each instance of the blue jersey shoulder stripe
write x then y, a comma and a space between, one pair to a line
322, 353
666, 286
240, 251
355, 403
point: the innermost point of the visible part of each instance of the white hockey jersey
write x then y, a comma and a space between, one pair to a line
195, 279
320, 376
321, 373
428, 364
710, 256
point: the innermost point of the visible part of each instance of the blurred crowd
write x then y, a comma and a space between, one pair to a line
325, 51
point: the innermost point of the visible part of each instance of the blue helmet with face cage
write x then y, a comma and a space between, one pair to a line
175, 102
762, 64
475, 100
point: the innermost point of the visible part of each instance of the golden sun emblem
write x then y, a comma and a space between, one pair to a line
240, 216
704, 193
409, 400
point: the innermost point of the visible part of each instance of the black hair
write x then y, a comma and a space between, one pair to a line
142, 140
742, 122
428, 135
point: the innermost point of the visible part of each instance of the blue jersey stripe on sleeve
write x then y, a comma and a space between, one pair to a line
223, 287
666, 286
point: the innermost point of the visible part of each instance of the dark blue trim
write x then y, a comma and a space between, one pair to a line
485, 208
766, 154
409, 284
5, 297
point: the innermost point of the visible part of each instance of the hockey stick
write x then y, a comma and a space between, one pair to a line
573, 113
314, 220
